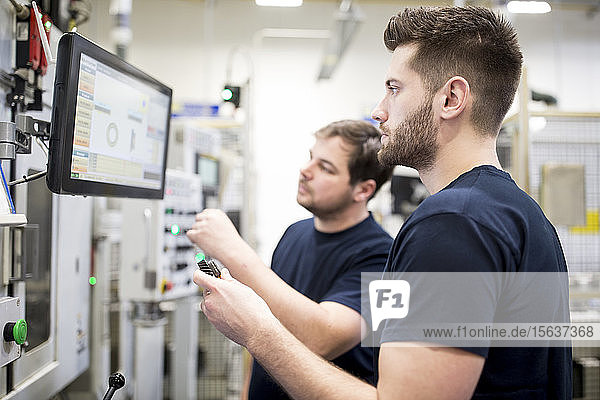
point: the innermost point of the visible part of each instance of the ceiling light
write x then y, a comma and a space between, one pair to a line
279, 3
528, 7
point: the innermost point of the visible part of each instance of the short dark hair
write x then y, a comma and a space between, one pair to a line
472, 42
365, 140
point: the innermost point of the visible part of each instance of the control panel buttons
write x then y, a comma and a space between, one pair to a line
165, 286
15, 332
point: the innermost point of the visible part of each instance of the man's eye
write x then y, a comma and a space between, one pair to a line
325, 169
393, 89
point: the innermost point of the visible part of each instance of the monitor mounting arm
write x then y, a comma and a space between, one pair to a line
15, 138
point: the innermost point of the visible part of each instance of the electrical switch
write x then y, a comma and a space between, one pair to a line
165, 286
15, 332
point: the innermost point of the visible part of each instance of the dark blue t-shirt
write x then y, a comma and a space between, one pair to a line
327, 267
482, 222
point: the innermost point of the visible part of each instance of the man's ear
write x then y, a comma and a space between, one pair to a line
455, 96
364, 190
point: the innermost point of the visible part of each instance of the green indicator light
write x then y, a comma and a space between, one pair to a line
227, 94
168, 211
20, 331
200, 257
92, 280
48, 25
175, 229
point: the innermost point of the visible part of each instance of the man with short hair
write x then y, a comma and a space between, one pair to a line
452, 77
314, 285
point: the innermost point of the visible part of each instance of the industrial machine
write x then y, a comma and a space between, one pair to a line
103, 132
157, 265
215, 150
157, 257
101, 129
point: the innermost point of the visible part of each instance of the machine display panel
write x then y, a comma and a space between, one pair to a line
208, 169
110, 125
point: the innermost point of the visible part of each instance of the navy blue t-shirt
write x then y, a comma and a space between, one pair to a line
482, 222
327, 267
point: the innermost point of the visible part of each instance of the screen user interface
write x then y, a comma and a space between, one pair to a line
120, 128
208, 169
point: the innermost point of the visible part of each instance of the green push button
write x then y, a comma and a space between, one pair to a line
20, 331
15, 332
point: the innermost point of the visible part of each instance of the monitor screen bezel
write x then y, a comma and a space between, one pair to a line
71, 47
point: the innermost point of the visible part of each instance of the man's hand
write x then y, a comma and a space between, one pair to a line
241, 315
215, 234
327, 328
235, 309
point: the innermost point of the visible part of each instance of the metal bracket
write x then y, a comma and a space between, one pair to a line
33, 127
15, 138
24, 84
7, 140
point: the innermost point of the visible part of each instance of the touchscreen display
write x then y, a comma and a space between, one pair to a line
120, 128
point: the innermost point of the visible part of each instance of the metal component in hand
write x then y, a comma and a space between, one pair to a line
209, 268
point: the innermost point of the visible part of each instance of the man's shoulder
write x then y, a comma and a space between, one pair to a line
300, 226
368, 232
297, 230
366, 237
451, 201
489, 211
489, 199
304, 223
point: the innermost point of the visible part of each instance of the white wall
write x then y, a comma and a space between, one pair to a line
185, 44
562, 54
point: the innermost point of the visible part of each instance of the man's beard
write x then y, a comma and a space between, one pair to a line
330, 209
412, 143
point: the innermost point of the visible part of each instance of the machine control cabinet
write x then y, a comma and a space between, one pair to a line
157, 257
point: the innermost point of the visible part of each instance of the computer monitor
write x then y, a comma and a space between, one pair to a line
110, 125
208, 169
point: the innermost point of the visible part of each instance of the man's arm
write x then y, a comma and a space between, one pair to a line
327, 328
410, 371
406, 372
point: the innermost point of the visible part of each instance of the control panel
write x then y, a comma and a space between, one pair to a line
157, 257
14, 329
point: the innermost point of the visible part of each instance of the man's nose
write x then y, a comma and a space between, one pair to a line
379, 114
305, 171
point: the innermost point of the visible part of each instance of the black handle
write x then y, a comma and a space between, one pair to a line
115, 381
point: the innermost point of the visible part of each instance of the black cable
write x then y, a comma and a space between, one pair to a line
29, 178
